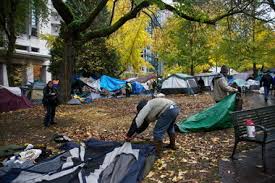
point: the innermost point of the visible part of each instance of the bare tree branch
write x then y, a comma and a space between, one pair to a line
258, 18
63, 10
132, 4
146, 3
84, 25
110, 29
113, 11
213, 21
153, 19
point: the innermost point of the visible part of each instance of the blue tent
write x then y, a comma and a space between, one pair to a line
110, 83
137, 87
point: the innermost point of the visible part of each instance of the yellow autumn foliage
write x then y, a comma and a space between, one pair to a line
130, 40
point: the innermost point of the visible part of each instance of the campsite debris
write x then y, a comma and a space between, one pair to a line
24, 159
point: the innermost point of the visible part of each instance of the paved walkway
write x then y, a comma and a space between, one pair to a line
248, 167
254, 100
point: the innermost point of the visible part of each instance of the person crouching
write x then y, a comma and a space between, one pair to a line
162, 110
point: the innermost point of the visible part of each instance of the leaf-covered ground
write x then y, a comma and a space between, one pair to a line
196, 160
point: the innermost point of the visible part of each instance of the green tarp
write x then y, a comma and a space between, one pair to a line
213, 118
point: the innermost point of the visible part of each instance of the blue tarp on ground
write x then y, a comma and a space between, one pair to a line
137, 87
98, 161
110, 83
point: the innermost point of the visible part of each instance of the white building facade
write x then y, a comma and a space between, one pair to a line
148, 54
31, 51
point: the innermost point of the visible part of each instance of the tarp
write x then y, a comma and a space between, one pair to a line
239, 82
96, 162
12, 102
95, 84
213, 118
242, 75
74, 101
146, 78
137, 88
110, 83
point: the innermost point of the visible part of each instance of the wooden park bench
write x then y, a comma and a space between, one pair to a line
264, 120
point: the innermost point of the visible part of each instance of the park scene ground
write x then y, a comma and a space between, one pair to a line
128, 91
196, 160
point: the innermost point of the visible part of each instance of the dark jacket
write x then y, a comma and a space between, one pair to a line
50, 96
266, 80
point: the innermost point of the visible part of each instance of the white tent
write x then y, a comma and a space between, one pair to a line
179, 83
207, 79
218, 70
14, 90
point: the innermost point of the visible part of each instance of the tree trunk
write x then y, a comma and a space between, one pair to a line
192, 70
66, 70
255, 73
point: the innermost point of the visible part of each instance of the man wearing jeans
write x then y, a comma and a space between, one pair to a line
162, 110
266, 82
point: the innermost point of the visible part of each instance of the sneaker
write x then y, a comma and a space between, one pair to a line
53, 123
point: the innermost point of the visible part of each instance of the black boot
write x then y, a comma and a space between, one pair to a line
172, 144
158, 145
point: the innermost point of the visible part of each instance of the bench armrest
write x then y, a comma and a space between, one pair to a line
271, 129
262, 128
265, 130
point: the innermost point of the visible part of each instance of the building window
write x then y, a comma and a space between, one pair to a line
34, 23
55, 28
21, 47
54, 16
33, 49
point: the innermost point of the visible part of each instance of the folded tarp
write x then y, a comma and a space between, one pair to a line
213, 118
96, 162
111, 84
